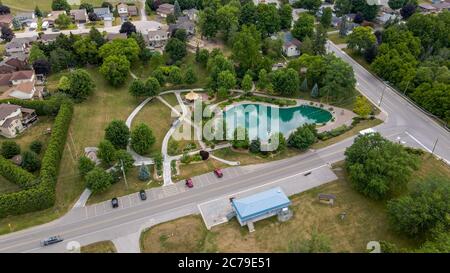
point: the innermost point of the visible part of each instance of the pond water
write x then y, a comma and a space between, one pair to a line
263, 120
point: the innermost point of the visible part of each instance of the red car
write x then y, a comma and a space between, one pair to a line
189, 183
218, 173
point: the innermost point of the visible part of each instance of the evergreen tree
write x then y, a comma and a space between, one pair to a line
315, 91
304, 86
177, 9
144, 173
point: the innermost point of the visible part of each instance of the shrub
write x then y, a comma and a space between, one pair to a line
14, 174
9, 149
118, 134
142, 139
85, 165
303, 137
125, 158
98, 180
107, 152
36, 146
30, 161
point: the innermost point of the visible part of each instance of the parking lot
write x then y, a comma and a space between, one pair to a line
214, 212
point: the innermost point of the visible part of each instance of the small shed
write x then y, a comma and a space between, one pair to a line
260, 206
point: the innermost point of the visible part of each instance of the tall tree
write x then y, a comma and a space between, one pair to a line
320, 39
142, 139
60, 5
285, 16
325, 19
246, 48
304, 26
208, 23
115, 69
118, 133
268, 19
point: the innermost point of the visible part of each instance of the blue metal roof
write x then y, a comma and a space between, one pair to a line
260, 203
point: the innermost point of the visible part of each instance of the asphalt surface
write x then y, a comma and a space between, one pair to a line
404, 123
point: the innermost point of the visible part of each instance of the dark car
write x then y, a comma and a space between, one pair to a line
115, 202
189, 183
306, 174
55, 29
51, 240
142, 195
218, 173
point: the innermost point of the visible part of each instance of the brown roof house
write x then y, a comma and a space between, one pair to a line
15, 119
165, 9
51, 18
24, 91
22, 76
122, 10
132, 10
80, 16
6, 20
12, 64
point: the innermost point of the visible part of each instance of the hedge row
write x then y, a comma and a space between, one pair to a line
42, 196
15, 174
48, 107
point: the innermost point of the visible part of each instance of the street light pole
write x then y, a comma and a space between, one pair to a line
123, 172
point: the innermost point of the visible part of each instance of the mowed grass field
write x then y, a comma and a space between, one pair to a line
365, 221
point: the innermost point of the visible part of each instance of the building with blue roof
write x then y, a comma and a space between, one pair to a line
260, 206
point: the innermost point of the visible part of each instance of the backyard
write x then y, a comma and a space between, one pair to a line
365, 220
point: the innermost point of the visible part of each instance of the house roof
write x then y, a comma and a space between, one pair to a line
22, 75
6, 109
13, 44
54, 15
102, 11
426, 6
25, 87
132, 9
6, 19
442, 5
4, 79
79, 14
166, 8
258, 204
49, 36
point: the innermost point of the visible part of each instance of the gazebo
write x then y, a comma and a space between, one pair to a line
192, 96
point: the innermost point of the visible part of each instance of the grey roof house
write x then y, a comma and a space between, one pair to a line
26, 18
183, 22
104, 13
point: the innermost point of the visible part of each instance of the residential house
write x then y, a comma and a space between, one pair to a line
132, 10
441, 6
104, 13
165, 9
427, 8
122, 10
14, 63
15, 47
335, 21
51, 18
157, 37
22, 76
6, 20
15, 119
24, 91
26, 18
192, 14
268, 2
296, 13
80, 16
291, 46
48, 37
386, 17
183, 22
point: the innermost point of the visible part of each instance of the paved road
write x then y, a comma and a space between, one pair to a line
404, 121
402, 114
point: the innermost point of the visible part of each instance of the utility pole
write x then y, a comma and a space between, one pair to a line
382, 95
124, 176
434, 146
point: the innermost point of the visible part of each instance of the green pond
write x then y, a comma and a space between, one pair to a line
263, 120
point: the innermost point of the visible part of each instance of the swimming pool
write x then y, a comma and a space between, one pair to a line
262, 120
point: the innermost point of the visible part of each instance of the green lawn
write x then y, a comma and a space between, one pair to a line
158, 117
337, 39
170, 98
366, 220
99, 247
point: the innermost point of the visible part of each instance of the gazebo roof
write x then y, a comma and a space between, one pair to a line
192, 96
